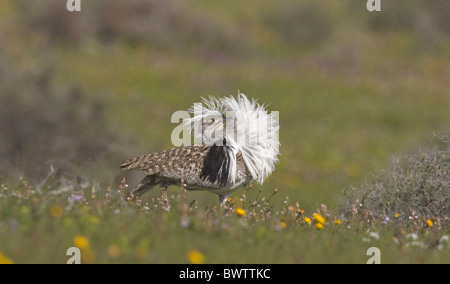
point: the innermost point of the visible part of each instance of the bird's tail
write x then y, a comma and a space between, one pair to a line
138, 163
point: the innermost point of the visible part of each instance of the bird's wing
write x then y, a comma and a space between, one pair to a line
174, 163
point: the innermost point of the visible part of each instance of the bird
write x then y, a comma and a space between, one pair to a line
236, 143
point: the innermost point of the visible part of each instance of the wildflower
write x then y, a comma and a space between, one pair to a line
5, 260
411, 236
307, 220
87, 255
374, 235
444, 239
319, 226
75, 197
184, 223
240, 212
195, 257
319, 219
337, 221
81, 242
429, 223
283, 225
397, 215
56, 211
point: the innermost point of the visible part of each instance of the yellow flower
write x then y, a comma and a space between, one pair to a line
5, 260
283, 225
319, 219
307, 220
319, 226
56, 211
240, 212
429, 223
397, 215
87, 255
81, 242
195, 257
337, 221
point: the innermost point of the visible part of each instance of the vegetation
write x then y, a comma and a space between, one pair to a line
109, 230
407, 195
81, 92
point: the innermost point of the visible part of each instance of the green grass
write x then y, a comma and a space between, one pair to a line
40, 227
350, 100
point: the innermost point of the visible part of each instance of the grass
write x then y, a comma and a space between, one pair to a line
350, 99
109, 230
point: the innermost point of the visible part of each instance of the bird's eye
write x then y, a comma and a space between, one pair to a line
211, 120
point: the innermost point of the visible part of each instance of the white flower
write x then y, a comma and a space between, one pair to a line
374, 235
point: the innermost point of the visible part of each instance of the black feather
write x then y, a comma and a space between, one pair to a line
216, 166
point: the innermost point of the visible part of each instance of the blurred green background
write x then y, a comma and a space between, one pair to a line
81, 92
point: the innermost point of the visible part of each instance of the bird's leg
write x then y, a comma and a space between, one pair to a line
165, 203
183, 186
145, 185
183, 191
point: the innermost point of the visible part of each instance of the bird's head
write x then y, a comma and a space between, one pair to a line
244, 125
207, 123
213, 126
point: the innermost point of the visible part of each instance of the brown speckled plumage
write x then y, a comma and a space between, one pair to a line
187, 164
174, 163
230, 156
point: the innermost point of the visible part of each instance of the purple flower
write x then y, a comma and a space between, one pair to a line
75, 197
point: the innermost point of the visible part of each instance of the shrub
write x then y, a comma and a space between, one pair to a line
424, 20
303, 23
42, 123
415, 192
158, 24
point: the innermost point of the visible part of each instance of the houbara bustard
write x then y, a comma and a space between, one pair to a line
236, 143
